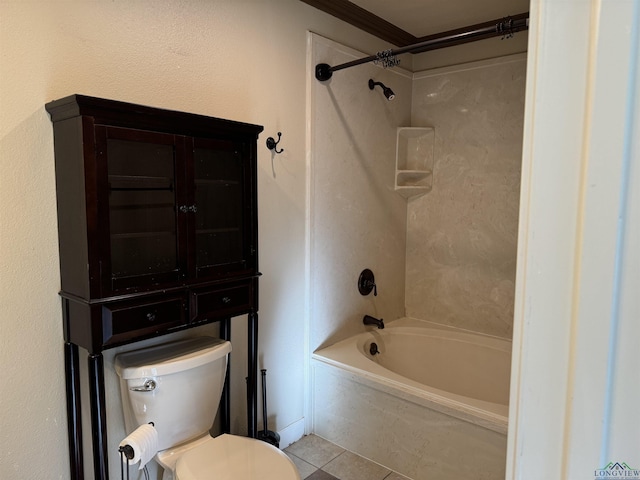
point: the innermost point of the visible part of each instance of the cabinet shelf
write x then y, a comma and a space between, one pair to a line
139, 183
116, 236
217, 182
208, 231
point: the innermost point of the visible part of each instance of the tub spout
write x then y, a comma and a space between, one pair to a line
369, 320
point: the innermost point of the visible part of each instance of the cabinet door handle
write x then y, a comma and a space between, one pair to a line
193, 208
183, 208
226, 300
151, 316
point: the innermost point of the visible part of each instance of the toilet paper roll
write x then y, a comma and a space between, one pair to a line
144, 441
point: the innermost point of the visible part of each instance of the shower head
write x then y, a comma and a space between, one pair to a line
386, 90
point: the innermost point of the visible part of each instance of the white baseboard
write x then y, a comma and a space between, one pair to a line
291, 433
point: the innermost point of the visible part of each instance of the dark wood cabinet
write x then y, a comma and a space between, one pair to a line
157, 222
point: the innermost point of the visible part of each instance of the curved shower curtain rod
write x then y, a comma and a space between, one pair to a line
504, 27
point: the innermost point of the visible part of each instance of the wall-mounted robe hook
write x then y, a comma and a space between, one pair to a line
273, 145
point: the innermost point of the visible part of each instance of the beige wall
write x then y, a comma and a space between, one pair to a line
242, 60
462, 236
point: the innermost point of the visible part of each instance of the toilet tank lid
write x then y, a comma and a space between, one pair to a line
170, 357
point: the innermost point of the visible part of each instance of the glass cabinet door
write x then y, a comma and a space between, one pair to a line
143, 174
221, 207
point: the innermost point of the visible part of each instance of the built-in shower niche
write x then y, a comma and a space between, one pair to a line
414, 160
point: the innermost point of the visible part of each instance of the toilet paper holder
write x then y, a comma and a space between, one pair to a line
127, 451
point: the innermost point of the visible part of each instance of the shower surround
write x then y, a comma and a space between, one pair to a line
356, 219
462, 236
448, 256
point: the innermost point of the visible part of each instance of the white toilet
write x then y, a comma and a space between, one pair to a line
177, 386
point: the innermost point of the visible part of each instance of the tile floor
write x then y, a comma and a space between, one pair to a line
318, 459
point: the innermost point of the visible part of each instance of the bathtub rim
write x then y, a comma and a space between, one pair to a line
360, 369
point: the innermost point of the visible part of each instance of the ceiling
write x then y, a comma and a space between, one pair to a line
409, 21
421, 18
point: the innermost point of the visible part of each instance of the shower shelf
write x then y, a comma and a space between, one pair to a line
414, 160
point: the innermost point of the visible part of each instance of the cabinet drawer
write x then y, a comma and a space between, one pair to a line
221, 302
125, 321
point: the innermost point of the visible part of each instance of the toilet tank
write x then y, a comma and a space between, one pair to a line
177, 386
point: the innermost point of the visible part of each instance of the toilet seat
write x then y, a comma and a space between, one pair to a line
230, 457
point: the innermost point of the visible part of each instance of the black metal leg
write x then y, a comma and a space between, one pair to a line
252, 397
74, 421
98, 417
225, 419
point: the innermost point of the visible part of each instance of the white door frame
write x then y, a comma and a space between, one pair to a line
575, 390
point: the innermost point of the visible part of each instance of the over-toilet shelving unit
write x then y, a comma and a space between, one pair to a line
158, 232
414, 160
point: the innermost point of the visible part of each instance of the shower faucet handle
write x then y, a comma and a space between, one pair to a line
367, 283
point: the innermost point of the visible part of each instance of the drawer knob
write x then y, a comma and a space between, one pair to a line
151, 316
226, 300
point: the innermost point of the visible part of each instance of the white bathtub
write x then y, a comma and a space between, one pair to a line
434, 401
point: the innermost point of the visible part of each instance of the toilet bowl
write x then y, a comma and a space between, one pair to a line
232, 457
178, 386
